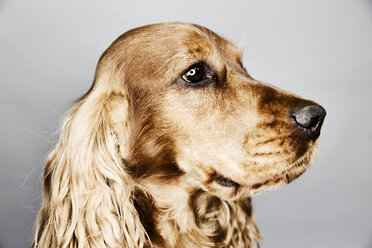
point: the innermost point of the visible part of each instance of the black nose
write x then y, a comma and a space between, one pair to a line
310, 119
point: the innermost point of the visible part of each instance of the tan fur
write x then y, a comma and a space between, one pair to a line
138, 156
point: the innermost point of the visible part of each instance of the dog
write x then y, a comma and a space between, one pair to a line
169, 144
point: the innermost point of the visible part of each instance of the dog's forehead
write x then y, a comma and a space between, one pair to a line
153, 56
170, 48
179, 36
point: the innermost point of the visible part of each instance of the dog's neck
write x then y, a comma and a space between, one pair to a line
175, 214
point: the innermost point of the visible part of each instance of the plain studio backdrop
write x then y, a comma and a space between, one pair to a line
319, 49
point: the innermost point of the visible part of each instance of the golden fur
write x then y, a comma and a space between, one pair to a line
146, 159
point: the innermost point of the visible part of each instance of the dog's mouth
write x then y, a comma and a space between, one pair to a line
225, 182
293, 171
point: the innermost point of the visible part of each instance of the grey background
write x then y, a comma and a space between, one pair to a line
318, 49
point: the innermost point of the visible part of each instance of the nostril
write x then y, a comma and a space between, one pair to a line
305, 118
310, 118
314, 122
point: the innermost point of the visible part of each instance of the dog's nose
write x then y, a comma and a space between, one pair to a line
310, 118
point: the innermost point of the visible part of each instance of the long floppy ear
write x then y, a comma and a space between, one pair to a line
87, 192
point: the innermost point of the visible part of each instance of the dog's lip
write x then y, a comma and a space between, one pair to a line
225, 182
293, 171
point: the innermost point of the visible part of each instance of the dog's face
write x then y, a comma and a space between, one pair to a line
194, 112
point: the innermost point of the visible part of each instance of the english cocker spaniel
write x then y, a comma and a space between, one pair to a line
169, 144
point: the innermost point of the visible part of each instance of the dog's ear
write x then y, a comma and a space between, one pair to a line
87, 192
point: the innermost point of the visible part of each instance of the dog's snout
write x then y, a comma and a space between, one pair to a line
310, 118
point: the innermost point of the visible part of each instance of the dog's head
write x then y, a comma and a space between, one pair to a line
194, 111
171, 105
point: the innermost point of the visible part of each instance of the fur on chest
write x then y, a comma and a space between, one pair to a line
199, 220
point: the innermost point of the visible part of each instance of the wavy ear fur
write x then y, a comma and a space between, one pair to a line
87, 192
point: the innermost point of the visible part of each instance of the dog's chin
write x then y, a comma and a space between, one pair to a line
228, 189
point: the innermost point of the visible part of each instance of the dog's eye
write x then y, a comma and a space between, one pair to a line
198, 75
194, 75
